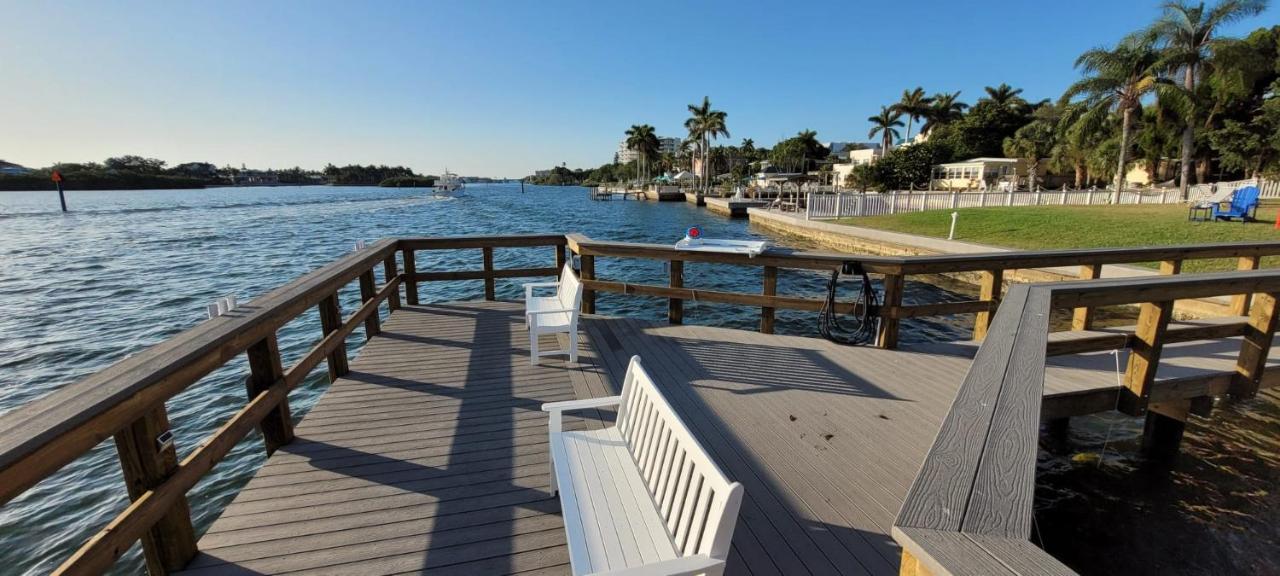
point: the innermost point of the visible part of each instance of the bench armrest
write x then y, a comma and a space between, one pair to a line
529, 286
685, 566
558, 408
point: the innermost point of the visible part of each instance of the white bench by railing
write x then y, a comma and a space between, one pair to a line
641, 497
554, 314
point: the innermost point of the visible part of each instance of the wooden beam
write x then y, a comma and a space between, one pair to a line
1170, 267
410, 278
368, 290
588, 272
675, 306
1144, 359
488, 273
390, 271
1252, 361
265, 370
148, 458
331, 321
770, 289
1082, 318
911, 566
888, 335
560, 258
991, 287
1240, 302
482, 275
1163, 429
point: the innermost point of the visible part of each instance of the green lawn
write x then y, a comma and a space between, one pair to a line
1047, 227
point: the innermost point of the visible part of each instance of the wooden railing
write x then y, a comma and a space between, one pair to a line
895, 271
969, 509
127, 400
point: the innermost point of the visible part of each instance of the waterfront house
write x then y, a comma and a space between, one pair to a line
980, 174
857, 155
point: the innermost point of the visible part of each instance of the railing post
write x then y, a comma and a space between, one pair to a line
148, 458
389, 271
1240, 302
992, 281
808, 206
410, 278
1257, 343
488, 273
955, 199
888, 334
560, 259
265, 371
675, 306
1082, 318
331, 320
862, 200
770, 289
588, 272
893, 202
1144, 358
1089, 198
1171, 267
839, 205
368, 290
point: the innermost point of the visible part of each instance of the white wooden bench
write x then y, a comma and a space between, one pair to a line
640, 497
553, 314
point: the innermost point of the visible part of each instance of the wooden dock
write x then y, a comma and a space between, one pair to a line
431, 454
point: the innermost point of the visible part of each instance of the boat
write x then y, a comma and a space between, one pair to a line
694, 242
450, 185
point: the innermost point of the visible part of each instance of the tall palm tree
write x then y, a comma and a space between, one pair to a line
944, 109
1186, 32
644, 141
914, 105
706, 125
1035, 140
1005, 96
886, 124
1116, 80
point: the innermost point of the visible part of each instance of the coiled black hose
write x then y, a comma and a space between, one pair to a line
864, 332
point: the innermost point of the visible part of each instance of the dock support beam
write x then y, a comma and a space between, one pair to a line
389, 271
1240, 302
770, 289
488, 273
368, 290
675, 306
888, 336
148, 458
1082, 318
588, 272
265, 371
992, 281
410, 278
331, 320
1144, 359
1162, 432
1257, 343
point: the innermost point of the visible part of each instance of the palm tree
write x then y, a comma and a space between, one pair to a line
914, 104
1116, 80
705, 125
644, 141
1034, 141
886, 124
1005, 96
945, 109
1186, 32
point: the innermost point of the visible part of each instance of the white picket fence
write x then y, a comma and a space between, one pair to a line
828, 206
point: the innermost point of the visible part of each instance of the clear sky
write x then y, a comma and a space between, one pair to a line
500, 88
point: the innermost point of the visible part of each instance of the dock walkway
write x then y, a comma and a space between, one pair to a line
431, 454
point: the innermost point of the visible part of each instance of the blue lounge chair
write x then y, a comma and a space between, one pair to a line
1244, 205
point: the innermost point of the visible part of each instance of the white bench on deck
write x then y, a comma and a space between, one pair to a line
640, 497
553, 314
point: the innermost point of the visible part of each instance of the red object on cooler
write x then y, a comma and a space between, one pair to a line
694, 232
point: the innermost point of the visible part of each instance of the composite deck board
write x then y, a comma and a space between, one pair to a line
431, 455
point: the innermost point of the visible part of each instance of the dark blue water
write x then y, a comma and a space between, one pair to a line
125, 270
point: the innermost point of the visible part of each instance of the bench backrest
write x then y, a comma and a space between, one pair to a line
569, 292
1244, 198
699, 504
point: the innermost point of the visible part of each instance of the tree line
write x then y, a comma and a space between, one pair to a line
131, 172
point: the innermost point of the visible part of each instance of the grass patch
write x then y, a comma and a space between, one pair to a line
1049, 227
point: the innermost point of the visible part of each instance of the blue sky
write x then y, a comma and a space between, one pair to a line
500, 88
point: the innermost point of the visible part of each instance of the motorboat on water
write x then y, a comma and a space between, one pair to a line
450, 185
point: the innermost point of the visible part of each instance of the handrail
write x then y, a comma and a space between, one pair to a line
969, 509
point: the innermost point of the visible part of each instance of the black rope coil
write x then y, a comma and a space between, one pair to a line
863, 331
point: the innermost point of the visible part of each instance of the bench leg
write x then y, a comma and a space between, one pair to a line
533, 346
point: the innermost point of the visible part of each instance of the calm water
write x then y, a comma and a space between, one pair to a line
125, 270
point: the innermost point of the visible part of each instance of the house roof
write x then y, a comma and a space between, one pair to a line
982, 161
